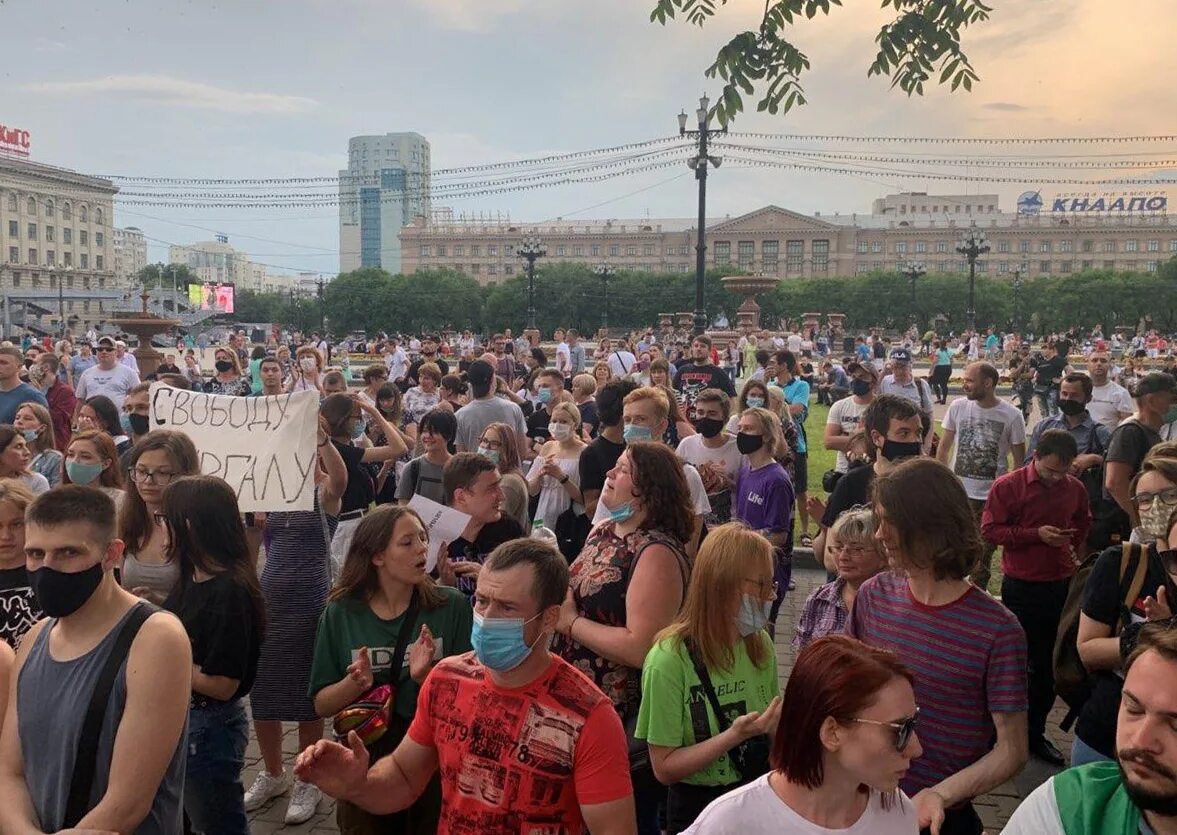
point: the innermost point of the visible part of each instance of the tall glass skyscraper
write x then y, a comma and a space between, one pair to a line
385, 186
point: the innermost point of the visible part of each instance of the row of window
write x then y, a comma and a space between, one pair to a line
920, 247
1004, 267
18, 280
957, 209
67, 258
562, 251
50, 206
67, 234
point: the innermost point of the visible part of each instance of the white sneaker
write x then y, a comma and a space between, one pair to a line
265, 788
304, 800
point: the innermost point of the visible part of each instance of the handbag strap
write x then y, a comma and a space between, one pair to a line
86, 760
708, 689
402, 638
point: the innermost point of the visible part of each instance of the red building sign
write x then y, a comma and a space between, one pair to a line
14, 141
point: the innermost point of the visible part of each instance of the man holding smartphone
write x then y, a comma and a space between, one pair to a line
1040, 515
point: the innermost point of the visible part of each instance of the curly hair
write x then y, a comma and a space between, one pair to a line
660, 483
926, 505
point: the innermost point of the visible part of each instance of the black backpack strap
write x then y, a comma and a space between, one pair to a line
708, 688
86, 761
402, 638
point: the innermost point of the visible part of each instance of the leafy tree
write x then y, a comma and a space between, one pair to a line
920, 44
165, 276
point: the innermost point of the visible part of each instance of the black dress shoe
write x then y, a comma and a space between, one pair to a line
1044, 749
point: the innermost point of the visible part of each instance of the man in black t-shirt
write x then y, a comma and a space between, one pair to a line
1049, 368
700, 374
549, 385
473, 485
18, 605
600, 456
895, 431
428, 354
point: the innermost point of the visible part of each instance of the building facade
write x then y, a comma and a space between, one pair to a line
219, 262
130, 254
384, 188
902, 228
57, 266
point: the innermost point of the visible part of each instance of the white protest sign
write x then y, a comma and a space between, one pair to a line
444, 524
264, 447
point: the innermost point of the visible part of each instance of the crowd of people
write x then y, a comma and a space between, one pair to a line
596, 651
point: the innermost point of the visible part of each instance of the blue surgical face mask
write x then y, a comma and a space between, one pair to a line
498, 642
753, 615
755, 401
125, 423
30, 435
621, 512
82, 473
544, 395
358, 427
492, 454
634, 432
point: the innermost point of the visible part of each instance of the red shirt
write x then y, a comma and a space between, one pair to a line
520, 760
62, 402
1019, 504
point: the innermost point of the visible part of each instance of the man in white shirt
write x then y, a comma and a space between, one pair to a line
981, 431
397, 362
621, 362
713, 453
563, 359
108, 377
1110, 401
125, 357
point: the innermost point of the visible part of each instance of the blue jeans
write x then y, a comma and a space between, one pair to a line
214, 798
1082, 753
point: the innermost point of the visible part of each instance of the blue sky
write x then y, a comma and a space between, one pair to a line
246, 88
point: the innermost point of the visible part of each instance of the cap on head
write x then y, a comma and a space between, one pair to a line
105, 342
1156, 382
901, 355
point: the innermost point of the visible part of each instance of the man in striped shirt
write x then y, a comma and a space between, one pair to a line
967, 651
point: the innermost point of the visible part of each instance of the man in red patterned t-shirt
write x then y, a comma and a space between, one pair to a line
525, 742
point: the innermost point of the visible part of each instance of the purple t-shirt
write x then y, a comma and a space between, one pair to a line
969, 661
764, 498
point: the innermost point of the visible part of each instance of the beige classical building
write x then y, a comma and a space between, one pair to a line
902, 228
56, 246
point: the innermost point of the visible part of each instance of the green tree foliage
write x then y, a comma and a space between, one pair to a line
920, 44
163, 275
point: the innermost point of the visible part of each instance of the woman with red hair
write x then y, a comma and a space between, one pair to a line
845, 738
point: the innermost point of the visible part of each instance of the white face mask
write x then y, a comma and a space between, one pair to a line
560, 431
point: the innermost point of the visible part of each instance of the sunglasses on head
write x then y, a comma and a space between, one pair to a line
903, 730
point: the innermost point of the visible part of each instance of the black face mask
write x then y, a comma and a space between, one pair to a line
139, 423
60, 594
898, 450
748, 444
223, 366
708, 427
861, 388
1071, 408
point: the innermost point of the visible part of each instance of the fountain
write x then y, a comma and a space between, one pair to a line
749, 286
145, 326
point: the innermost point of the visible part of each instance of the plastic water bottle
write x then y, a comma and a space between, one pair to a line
543, 534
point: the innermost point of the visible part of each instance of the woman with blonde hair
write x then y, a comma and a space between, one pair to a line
228, 378
92, 460
307, 374
602, 373
499, 443
703, 744
35, 423
555, 477
584, 389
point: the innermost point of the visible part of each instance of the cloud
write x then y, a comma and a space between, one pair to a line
1005, 107
163, 89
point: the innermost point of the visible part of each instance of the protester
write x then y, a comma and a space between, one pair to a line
79, 363
966, 650
902, 383
602, 374
270, 377
428, 357
59, 395
1106, 613
941, 370
138, 780
854, 555
423, 474
19, 609
13, 391
374, 377
713, 453
422, 398
549, 391
628, 584
584, 388
1039, 515
764, 497
843, 418
91, 460
148, 569
509, 689
1110, 401
334, 382
1049, 369
600, 456
554, 477
36, 426
386, 624
453, 391
844, 739
796, 393
704, 747
101, 413
294, 584
485, 408
308, 375
1138, 792
620, 359
659, 373
473, 485
108, 377
700, 374
835, 384
136, 416
15, 458
981, 433
499, 443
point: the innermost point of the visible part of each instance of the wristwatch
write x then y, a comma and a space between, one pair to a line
564, 480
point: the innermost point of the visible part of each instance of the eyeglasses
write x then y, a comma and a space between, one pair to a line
1144, 500
104, 350
903, 729
142, 476
765, 588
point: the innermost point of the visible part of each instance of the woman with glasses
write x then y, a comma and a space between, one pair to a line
702, 748
220, 604
92, 461
227, 377
15, 458
845, 738
34, 422
852, 548
156, 461
499, 443
1102, 617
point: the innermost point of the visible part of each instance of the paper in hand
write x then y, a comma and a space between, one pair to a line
444, 524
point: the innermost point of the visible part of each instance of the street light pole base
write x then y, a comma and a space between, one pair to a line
700, 322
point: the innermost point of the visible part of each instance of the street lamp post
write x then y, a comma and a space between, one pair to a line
604, 271
531, 250
913, 271
699, 163
1017, 284
322, 311
972, 245
61, 274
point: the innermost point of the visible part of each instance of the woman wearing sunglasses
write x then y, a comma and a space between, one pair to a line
845, 739
716, 646
1102, 618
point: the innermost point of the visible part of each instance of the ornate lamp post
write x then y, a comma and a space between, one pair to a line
914, 270
1017, 284
531, 250
972, 245
604, 272
699, 163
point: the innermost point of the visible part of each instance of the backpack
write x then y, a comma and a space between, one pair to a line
1072, 681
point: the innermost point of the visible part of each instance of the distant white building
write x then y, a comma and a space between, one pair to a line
130, 254
218, 262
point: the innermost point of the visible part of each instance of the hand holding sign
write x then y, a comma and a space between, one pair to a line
444, 524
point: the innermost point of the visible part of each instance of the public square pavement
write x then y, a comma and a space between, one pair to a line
994, 808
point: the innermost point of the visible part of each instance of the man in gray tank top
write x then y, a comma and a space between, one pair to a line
138, 775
